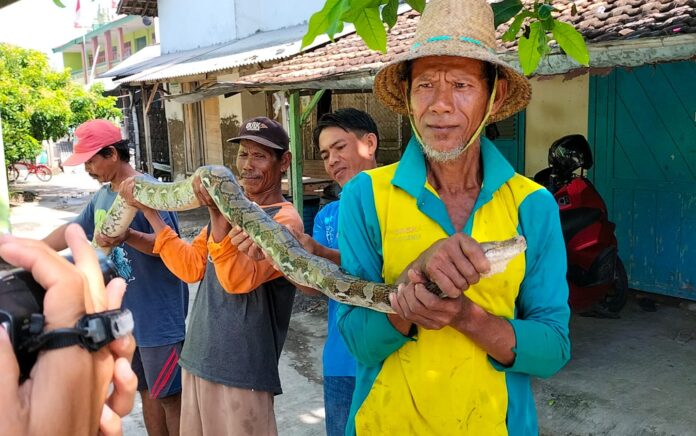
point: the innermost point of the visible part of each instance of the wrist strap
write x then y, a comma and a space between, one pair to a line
91, 332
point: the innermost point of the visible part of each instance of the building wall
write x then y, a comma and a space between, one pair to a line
213, 139
255, 15
234, 110
73, 61
181, 22
186, 25
558, 107
175, 127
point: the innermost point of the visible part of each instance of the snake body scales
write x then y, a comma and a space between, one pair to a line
275, 239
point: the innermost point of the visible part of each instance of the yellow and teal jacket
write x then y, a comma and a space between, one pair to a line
439, 382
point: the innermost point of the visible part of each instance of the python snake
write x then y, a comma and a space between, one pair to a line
275, 239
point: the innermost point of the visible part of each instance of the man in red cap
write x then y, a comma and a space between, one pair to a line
157, 299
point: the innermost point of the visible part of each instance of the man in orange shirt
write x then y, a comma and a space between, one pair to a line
239, 320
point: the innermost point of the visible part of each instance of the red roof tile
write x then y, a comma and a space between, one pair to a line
598, 21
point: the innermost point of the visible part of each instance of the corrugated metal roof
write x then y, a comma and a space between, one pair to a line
260, 47
134, 63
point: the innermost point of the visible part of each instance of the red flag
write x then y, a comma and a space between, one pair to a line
78, 15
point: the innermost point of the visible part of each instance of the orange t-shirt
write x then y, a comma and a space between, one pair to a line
236, 272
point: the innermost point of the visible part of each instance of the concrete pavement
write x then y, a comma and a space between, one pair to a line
629, 376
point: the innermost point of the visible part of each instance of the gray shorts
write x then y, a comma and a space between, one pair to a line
158, 369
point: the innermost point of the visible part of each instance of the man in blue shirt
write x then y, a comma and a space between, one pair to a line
348, 141
157, 299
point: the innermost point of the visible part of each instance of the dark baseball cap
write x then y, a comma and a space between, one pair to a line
265, 131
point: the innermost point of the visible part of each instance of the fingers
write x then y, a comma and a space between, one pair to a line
416, 276
126, 192
416, 304
125, 189
256, 253
475, 255
85, 258
64, 284
202, 193
240, 239
115, 290
9, 376
125, 384
456, 264
110, 423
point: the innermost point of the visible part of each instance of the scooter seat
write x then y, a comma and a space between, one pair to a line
574, 220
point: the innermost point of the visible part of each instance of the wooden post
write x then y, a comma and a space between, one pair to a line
146, 127
121, 45
85, 63
108, 50
295, 133
312, 104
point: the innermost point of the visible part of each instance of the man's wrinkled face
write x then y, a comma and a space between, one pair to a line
448, 99
101, 168
259, 169
345, 154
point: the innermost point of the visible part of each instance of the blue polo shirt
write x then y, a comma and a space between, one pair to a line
441, 382
337, 360
157, 299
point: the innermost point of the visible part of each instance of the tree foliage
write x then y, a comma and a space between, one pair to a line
37, 103
532, 25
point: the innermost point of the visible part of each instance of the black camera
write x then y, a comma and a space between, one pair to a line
21, 313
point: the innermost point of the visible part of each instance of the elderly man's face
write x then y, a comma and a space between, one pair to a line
448, 100
260, 170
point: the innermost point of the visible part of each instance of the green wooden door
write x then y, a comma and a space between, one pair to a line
644, 133
510, 140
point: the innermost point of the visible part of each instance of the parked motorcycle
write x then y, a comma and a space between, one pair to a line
596, 276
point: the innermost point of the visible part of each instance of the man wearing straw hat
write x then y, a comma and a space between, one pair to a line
457, 365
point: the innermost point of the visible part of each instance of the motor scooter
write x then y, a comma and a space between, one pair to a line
596, 276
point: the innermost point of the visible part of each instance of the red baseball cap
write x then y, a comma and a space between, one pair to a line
90, 137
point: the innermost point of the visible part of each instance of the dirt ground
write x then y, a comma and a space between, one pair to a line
630, 376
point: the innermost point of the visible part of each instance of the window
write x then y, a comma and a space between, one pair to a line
140, 43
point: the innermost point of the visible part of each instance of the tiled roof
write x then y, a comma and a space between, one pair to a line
628, 19
598, 21
145, 8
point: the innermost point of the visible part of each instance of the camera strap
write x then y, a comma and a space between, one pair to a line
92, 332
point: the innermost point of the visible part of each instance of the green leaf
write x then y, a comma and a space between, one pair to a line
528, 49
548, 24
58, 3
543, 41
572, 42
514, 28
417, 5
334, 16
544, 12
326, 20
369, 27
504, 10
356, 7
389, 13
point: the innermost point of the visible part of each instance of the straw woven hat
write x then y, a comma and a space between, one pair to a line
462, 28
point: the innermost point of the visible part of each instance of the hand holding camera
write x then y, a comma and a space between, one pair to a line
66, 389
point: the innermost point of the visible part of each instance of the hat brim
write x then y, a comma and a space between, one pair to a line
79, 158
260, 140
387, 83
